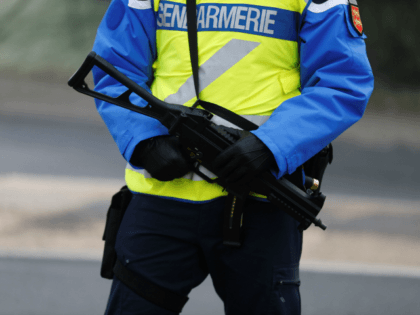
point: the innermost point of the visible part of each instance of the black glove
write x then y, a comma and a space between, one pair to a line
162, 157
244, 159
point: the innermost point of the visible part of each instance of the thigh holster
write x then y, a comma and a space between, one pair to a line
119, 204
111, 266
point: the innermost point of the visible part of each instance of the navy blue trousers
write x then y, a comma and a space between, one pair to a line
176, 245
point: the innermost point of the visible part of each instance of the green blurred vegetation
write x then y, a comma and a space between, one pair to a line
47, 35
393, 43
54, 36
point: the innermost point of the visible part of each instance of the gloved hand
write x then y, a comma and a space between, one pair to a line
162, 157
244, 159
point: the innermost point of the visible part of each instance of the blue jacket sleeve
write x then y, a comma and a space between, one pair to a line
126, 38
336, 83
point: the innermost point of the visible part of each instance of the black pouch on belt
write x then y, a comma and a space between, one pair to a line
315, 166
119, 204
233, 216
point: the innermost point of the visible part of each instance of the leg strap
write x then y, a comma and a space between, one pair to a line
151, 292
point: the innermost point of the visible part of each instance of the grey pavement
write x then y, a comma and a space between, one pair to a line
69, 287
48, 129
41, 145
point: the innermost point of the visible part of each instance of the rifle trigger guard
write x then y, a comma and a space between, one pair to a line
202, 175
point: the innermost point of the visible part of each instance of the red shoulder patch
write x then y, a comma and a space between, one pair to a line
355, 17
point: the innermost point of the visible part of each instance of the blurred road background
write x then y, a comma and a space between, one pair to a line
59, 167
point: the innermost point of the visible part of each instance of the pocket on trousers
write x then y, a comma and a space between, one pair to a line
285, 299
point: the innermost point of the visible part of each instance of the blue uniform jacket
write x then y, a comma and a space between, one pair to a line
336, 82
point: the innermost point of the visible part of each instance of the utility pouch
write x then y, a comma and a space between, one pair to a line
315, 166
233, 216
119, 204
111, 266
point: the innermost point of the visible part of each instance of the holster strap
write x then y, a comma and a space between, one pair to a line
150, 291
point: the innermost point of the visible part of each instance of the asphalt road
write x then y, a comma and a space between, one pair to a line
70, 143
48, 128
68, 287
40, 144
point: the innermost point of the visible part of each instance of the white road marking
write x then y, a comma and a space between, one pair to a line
58, 254
48, 193
26, 197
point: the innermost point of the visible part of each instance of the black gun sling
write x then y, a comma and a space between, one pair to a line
193, 46
111, 266
233, 212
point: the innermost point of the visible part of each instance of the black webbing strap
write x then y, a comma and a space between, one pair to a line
229, 116
232, 231
152, 292
214, 108
193, 43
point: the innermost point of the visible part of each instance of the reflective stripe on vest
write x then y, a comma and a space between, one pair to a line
248, 54
224, 59
191, 186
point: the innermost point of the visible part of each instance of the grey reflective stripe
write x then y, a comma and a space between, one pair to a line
258, 120
224, 59
319, 8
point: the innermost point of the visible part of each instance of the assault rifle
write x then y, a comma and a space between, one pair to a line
203, 140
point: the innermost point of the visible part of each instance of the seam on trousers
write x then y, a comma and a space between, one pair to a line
197, 235
123, 288
271, 291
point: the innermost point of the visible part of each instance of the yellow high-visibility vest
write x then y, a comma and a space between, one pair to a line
249, 64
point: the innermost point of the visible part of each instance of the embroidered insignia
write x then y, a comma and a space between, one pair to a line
355, 17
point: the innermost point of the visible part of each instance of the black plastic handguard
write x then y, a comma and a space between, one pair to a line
203, 141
